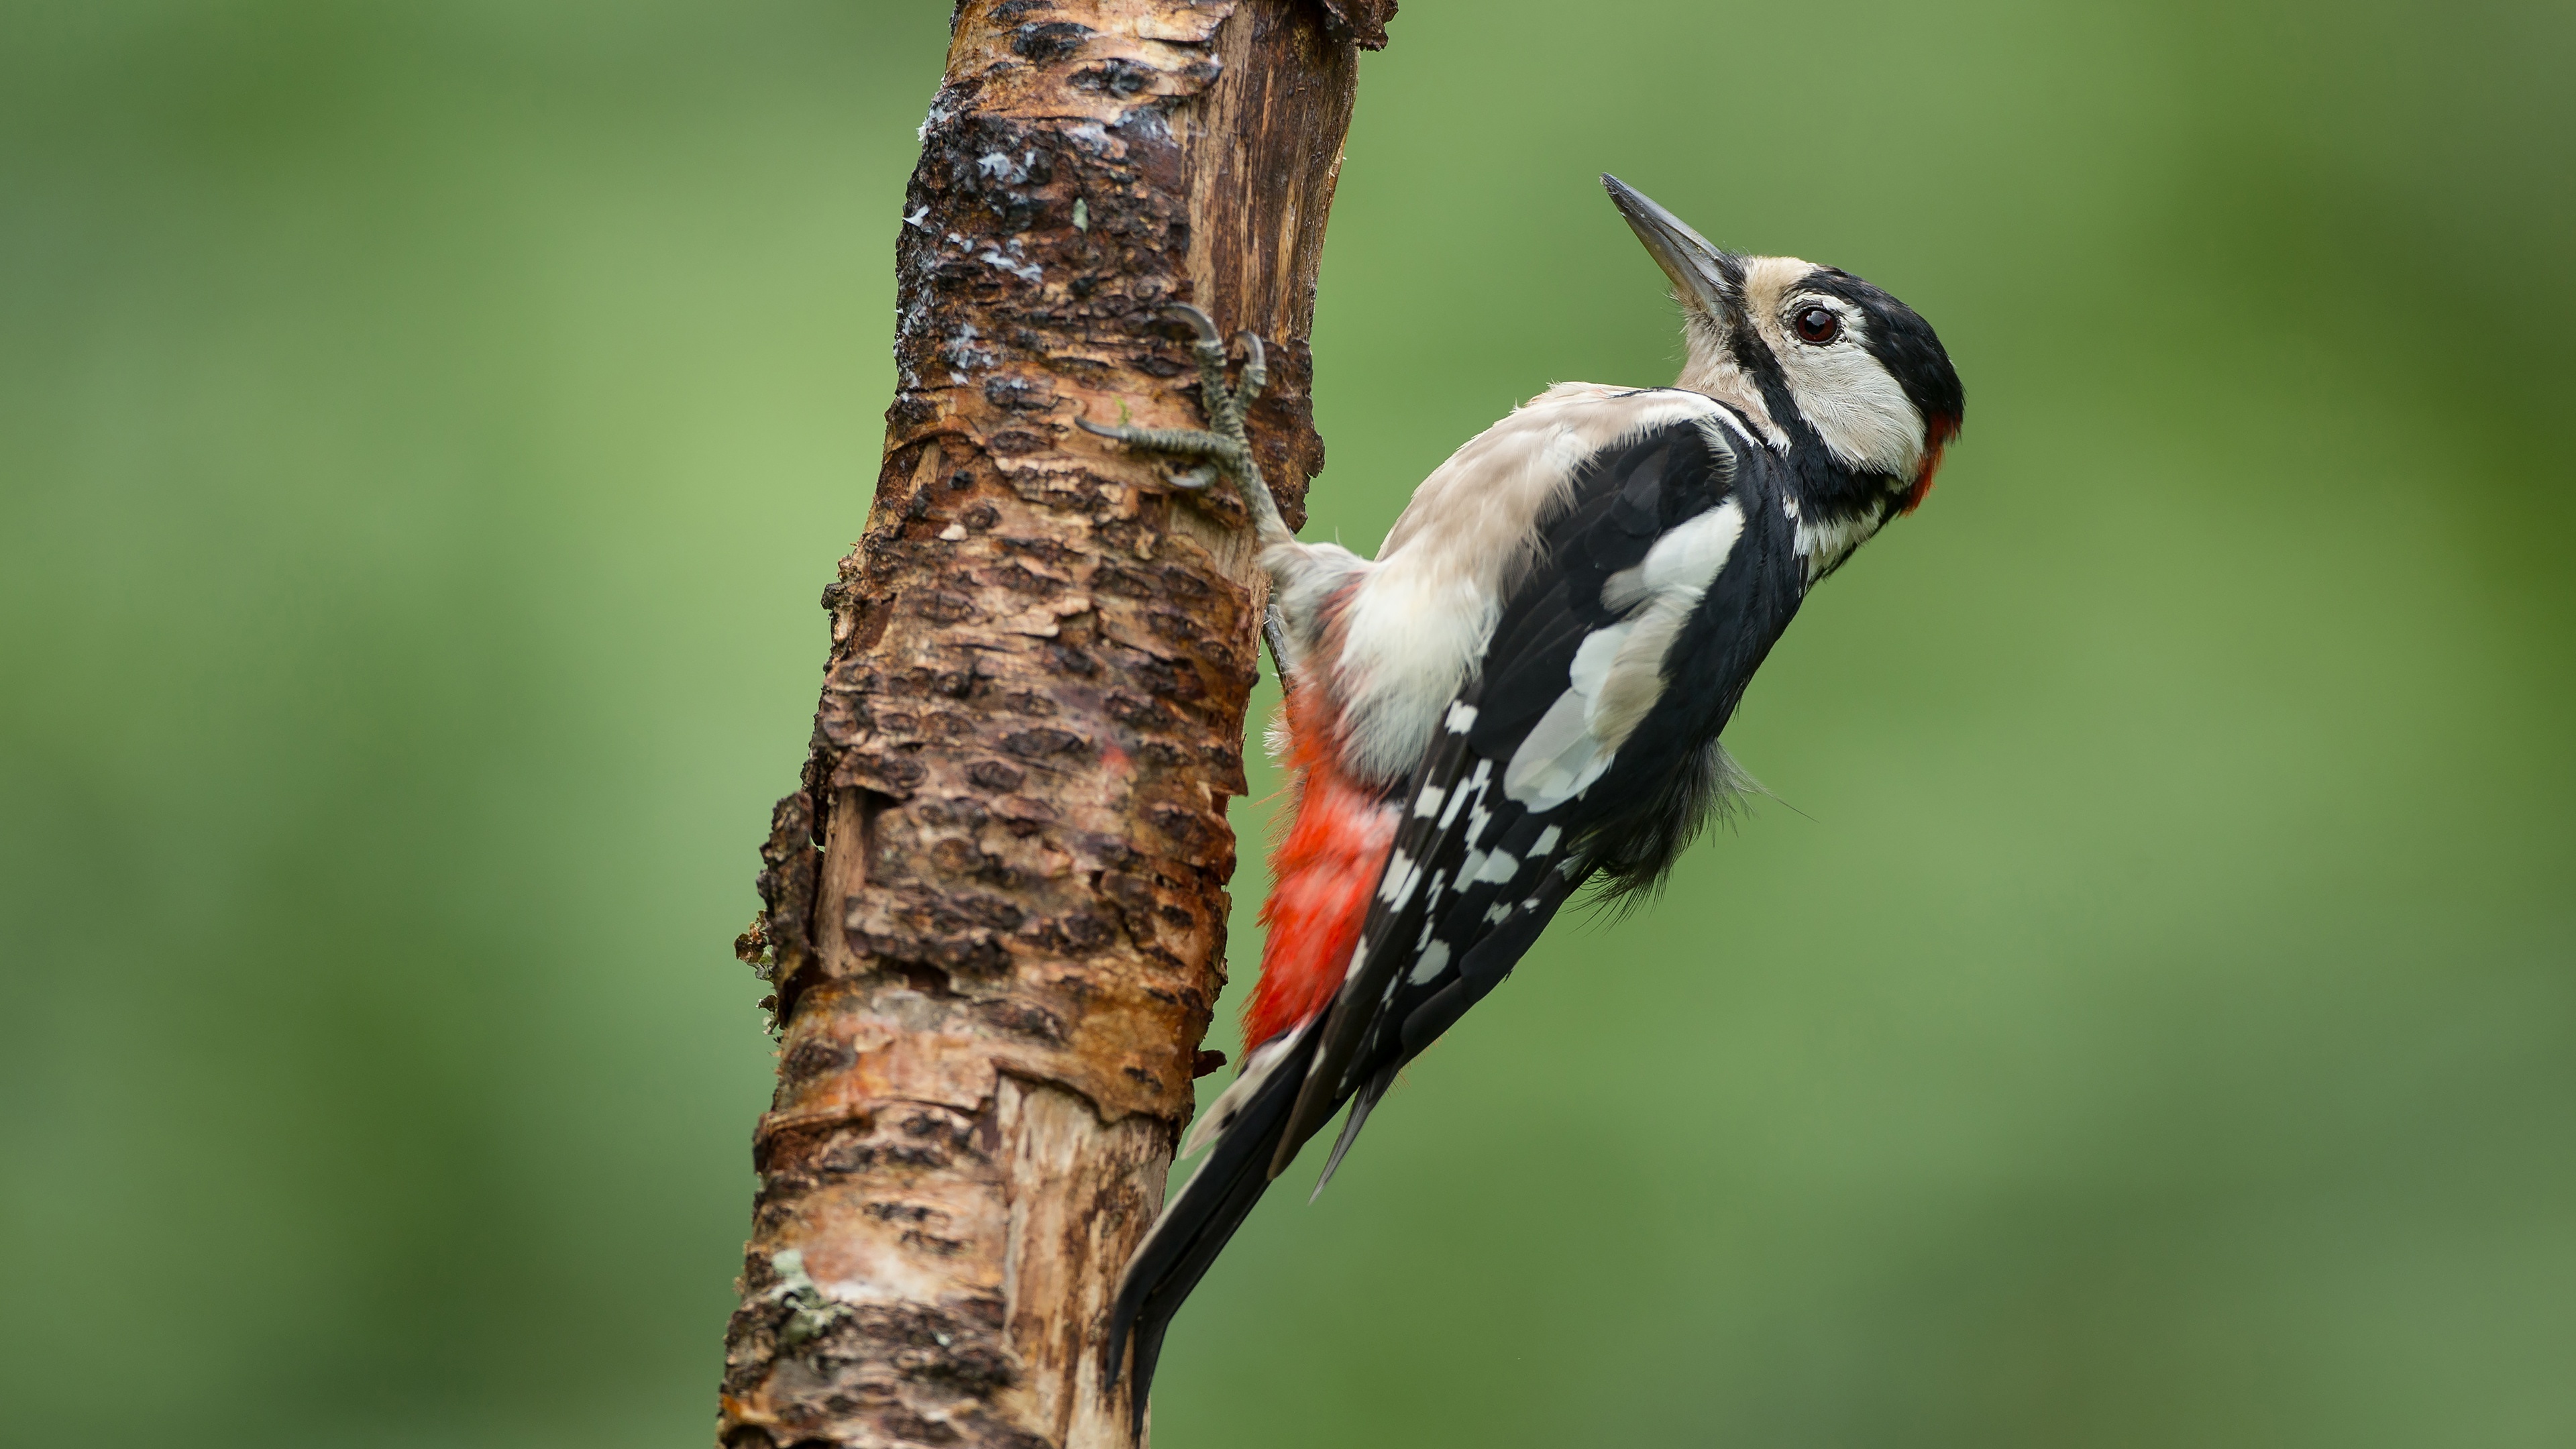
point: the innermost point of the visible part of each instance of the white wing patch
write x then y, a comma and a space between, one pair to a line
1474, 789
1402, 876
1559, 758
1421, 616
1617, 672
1686, 558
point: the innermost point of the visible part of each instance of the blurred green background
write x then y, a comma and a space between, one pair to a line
2145, 1017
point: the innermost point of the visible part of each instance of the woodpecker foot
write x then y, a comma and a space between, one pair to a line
1223, 448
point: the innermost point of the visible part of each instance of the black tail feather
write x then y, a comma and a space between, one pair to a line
1196, 1224
1362, 1102
1153, 1314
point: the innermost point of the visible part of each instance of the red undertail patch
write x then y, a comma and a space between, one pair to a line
1322, 869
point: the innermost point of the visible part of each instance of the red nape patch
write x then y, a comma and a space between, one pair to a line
1322, 871
1938, 439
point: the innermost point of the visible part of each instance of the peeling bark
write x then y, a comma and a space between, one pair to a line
995, 911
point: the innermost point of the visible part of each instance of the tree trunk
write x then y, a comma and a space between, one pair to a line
995, 912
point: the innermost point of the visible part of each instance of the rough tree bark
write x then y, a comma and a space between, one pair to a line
995, 912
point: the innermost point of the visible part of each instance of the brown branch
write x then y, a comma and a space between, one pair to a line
995, 914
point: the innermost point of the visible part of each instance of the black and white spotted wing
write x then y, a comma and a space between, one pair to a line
1475, 874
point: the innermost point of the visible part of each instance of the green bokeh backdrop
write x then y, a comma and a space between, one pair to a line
2144, 1017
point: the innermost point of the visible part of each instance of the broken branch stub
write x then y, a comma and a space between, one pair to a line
995, 912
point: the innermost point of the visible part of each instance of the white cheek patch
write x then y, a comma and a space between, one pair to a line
1854, 404
1860, 412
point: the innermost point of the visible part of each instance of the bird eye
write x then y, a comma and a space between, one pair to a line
1818, 325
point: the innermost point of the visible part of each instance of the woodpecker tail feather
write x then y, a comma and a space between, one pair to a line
1244, 1126
1362, 1101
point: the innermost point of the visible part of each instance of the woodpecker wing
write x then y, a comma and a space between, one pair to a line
1566, 730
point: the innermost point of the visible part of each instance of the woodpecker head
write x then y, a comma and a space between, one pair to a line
1813, 353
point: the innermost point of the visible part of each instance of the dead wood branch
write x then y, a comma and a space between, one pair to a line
995, 912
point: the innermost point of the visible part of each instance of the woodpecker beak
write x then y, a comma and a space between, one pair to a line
1706, 278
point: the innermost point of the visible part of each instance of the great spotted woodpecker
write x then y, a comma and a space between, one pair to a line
1523, 691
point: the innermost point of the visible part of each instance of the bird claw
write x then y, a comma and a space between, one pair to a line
1210, 349
1224, 447
1199, 321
